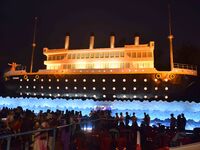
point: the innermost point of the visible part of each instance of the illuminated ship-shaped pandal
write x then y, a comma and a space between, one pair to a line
123, 73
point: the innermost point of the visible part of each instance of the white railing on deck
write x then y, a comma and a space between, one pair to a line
185, 66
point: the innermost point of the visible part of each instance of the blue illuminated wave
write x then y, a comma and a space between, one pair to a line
159, 111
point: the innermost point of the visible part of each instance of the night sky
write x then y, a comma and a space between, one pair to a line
148, 18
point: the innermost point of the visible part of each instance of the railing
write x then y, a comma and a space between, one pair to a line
185, 66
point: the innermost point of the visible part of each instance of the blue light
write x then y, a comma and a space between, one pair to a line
156, 109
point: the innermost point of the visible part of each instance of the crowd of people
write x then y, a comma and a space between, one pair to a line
109, 132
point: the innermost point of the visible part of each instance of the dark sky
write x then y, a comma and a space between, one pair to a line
148, 18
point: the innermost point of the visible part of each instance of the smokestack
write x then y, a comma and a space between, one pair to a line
67, 41
137, 40
91, 41
112, 41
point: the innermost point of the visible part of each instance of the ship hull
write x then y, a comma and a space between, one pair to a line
152, 86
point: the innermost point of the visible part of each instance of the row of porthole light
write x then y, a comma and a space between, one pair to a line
94, 96
94, 88
93, 80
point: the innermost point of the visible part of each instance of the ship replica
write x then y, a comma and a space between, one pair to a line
114, 73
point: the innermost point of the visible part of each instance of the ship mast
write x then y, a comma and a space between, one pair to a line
33, 45
170, 37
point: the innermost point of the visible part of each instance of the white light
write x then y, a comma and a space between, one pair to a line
34, 94
114, 88
20, 80
34, 80
156, 96
66, 80
114, 96
124, 80
124, 88
155, 80
50, 94
145, 88
134, 80
94, 88
57, 80
42, 87
134, 96
85, 95
134, 88
34, 87
75, 80
49, 87
27, 87
20, 93
27, 80
104, 88
103, 80
166, 88
42, 94
58, 87
42, 80
94, 96
49, 80
166, 97
75, 88
66, 88
113, 80
166, 80
84, 88
156, 88
67, 94
27, 93
124, 96
76, 95
145, 80
145, 96
93, 80
104, 96
58, 94
20, 86
84, 80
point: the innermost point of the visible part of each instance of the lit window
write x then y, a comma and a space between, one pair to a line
20, 93
155, 80
166, 97
20, 86
20, 80
104, 88
75, 88
145, 80
114, 96
124, 88
156, 88
66, 80
113, 80
134, 80
145, 88
58, 94
50, 94
166, 88
42, 87
84, 80
42, 80
27, 87
166, 80
49, 80
124, 96
114, 88
66, 88
49, 87
42, 94
34, 80
145, 96
84, 88
57, 80
93, 80
94, 88
75, 80
85, 95
156, 96
134, 96
103, 80
124, 80
58, 87
34, 87
134, 88
104, 96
